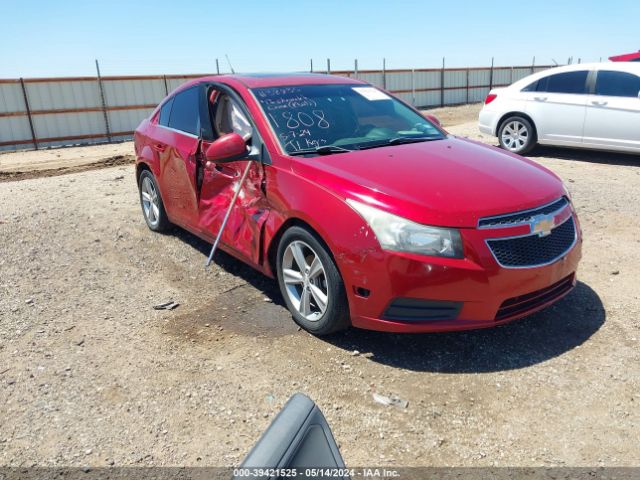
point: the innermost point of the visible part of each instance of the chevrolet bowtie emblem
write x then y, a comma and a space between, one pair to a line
542, 225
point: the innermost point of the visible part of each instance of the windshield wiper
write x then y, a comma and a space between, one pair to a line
323, 150
398, 141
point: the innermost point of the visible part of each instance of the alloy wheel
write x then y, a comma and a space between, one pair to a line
150, 201
305, 280
515, 135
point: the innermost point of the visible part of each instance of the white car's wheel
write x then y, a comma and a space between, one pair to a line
517, 135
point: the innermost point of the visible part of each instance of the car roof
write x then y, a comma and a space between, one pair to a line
259, 80
627, 57
629, 67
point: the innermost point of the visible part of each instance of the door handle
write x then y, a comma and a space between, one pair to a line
160, 147
540, 99
598, 103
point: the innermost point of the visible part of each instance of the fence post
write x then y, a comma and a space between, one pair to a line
442, 84
413, 87
26, 105
511, 76
384, 73
467, 85
328, 66
491, 75
217, 67
355, 68
104, 103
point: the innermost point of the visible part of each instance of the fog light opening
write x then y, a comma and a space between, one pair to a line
362, 292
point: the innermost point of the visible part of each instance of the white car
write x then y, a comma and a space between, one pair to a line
583, 105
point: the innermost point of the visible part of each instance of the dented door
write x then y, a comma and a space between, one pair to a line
177, 159
243, 232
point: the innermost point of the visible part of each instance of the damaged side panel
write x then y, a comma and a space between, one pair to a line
243, 233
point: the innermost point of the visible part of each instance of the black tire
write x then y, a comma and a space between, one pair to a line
156, 218
336, 315
511, 133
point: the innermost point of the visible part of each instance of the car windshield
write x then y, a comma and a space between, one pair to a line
325, 119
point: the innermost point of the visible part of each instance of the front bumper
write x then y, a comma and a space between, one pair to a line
477, 289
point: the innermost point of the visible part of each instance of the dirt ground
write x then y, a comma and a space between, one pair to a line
92, 375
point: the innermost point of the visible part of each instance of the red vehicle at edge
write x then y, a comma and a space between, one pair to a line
368, 213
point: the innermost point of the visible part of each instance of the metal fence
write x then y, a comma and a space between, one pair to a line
46, 112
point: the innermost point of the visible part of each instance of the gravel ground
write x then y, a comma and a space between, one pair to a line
92, 375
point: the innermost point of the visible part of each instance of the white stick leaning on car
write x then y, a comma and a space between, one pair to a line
589, 105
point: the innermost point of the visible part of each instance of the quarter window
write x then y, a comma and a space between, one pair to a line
617, 84
184, 112
165, 112
569, 82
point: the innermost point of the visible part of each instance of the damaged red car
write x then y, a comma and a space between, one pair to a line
368, 213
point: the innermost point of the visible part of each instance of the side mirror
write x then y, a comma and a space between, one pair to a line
299, 437
433, 119
227, 148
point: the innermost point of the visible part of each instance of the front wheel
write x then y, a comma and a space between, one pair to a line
310, 283
517, 135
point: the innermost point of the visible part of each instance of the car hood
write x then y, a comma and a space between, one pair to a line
451, 182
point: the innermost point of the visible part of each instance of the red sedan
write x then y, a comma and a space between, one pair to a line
367, 212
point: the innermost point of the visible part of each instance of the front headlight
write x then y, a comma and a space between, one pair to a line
402, 235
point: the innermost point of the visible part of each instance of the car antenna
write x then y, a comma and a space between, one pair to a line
229, 62
554, 61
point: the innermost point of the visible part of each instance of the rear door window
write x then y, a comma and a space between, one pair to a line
617, 84
185, 114
165, 112
568, 82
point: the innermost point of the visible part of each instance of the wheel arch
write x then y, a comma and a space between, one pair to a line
140, 167
274, 241
504, 117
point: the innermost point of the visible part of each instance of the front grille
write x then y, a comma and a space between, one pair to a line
417, 310
533, 250
523, 216
530, 301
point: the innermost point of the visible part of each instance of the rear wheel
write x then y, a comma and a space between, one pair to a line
311, 284
517, 135
151, 203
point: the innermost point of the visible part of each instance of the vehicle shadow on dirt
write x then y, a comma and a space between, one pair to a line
591, 156
522, 343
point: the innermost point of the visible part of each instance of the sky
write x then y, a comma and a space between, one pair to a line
64, 37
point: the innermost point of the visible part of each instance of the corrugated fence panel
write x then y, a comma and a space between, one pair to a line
173, 83
69, 124
502, 76
374, 78
61, 95
427, 99
455, 97
14, 129
399, 81
456, 78
11, 98
478, 94
479, 77
127, 120
133, 92
520, 73
430, 79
